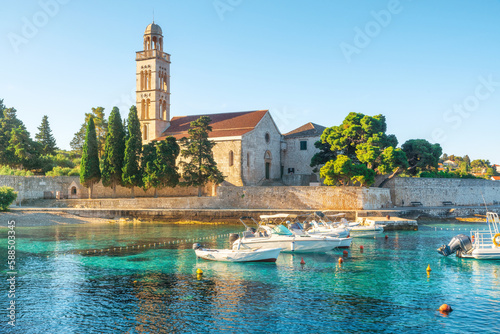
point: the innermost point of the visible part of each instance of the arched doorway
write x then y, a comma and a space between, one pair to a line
267, 160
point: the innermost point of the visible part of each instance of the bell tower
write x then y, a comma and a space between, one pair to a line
153, 85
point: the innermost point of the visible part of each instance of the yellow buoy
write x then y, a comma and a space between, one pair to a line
429, 268
199, 271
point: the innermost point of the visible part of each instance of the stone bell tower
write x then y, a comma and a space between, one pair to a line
153, 85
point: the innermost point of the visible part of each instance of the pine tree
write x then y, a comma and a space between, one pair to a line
8, 122
114, 149
90, 172
132, 176
45, 137
159, 169
101, 127
202, 167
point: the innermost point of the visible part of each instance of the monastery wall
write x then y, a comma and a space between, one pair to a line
432, 192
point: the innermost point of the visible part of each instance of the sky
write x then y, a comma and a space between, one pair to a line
431, 67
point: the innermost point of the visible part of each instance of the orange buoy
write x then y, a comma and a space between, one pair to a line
445, 308
428, 268
386, 236
302, 261
361, 247
345, 253
341, 260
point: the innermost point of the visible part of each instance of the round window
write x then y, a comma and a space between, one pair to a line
268, 138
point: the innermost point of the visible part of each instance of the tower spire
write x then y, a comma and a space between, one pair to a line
153, 15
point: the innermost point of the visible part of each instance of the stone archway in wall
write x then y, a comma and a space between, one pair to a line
267, 164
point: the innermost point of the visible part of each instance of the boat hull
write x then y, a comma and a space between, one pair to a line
483, 254
292, 244
362, 231
245, 255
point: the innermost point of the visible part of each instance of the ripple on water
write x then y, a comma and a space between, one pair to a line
383, 289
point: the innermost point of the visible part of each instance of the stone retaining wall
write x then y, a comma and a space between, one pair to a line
433, 192
293, 198
39, 187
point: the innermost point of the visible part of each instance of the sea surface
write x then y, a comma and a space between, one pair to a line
76, 279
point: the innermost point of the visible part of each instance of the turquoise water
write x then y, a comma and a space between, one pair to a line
155, 289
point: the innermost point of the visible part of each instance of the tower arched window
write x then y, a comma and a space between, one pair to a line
148, 102
149, 79
142, 80
248, 159
143, 109
145, 132
161, 44
165, 111
231, 158
160, 111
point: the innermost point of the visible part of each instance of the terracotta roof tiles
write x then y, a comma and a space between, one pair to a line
223, 124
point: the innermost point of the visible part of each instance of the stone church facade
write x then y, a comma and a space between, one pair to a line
250, 150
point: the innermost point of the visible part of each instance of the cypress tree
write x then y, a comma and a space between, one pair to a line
132, 175
159, 164
114, 149
198, 148
90, 172
45, 137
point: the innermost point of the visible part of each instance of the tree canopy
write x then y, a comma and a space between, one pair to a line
132, 173
421, 155
197, 148
360, 140
158, 161
101, 127
90, 172
114, 152
45, 137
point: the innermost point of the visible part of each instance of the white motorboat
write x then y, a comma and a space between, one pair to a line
237, 255
481, 245
320, 228
364, 228
271, 235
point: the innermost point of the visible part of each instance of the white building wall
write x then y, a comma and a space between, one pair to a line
299, 160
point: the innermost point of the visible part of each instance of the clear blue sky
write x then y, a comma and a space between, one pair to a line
432, 67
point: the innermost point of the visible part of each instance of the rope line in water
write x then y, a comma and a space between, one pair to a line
153, 245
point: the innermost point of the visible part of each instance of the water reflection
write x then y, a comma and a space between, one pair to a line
385, 288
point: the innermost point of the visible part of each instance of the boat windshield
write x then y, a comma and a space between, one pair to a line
281, 230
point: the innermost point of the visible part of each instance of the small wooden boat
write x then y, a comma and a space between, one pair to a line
237, 255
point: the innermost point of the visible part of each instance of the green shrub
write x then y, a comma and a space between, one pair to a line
63, 171
7, 196
6, 170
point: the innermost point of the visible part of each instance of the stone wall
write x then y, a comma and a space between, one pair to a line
36, 187
39, 187
432, 192
291, 198
221, 151
299, 160
308, 198
254, 147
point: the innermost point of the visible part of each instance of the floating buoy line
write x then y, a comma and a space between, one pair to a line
157, 245
435, 228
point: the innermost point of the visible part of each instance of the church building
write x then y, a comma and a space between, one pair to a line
250, 150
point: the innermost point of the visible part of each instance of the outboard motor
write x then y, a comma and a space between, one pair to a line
460, 242
233, 237
196, 246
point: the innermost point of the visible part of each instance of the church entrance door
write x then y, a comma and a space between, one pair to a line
268, 169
